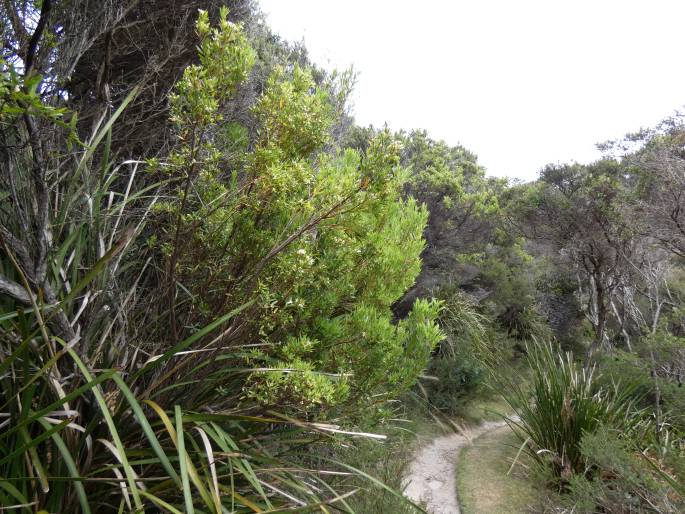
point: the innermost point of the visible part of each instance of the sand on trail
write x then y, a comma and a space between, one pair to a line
432, 478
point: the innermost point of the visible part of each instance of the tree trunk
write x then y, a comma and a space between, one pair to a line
601, 312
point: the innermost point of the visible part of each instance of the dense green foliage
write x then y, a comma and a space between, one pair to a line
322, 243
155, 310
457, 371
616, 478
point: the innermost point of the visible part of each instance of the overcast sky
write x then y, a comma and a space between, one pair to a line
520, 83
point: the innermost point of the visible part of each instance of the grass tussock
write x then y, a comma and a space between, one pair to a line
560, 403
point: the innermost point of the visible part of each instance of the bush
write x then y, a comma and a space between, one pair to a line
563, 404
617, 479
456, 372
454, 381
319, 243
636, 368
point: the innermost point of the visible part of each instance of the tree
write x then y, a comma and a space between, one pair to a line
578, 211
318, 245
659, 172
462, 205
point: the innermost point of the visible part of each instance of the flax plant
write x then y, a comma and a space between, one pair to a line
560, 405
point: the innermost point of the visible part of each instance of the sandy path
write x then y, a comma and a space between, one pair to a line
432, 474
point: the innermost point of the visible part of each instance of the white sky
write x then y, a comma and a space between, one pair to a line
521, 83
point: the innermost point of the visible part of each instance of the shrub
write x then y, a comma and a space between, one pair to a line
454, 381
637, 368
456, 371
563, 404
320, 244
617, 479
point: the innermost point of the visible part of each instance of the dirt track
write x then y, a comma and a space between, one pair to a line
432, 473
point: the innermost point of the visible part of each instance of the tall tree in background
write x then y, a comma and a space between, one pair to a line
659, 172
578, 211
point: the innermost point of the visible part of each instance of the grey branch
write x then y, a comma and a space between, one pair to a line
16, 291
